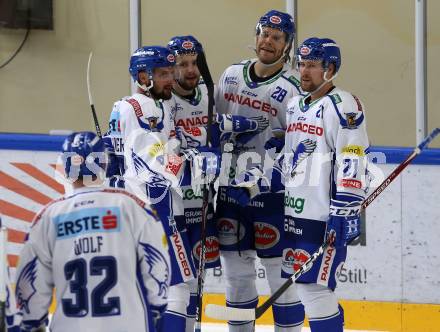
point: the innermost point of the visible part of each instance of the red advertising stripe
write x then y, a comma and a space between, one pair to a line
23, 189
40, 176
15, 211
16, 236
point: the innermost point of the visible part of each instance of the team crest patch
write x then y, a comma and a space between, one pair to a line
351, 120
152, 122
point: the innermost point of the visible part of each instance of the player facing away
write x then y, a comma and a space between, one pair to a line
257, 89
325, 179
191, 120
103, 250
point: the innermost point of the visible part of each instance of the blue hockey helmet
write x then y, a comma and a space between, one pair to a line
179, 45
84, 153
324, 49
278, 20
147, 58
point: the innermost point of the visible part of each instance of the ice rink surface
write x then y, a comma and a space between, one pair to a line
210, 327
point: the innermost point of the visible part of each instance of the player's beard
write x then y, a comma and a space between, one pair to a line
188, 85
164, 94
309, 86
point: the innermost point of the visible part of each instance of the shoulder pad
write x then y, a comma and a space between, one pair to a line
348, 108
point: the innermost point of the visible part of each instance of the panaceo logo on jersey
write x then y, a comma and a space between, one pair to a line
181, 255
251, 103
94, 220
354, 149
327, 262
275, 19
295, 203
192, 122
305, 128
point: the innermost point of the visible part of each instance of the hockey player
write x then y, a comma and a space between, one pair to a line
254, 88
326, 139
191, 119
155, 165
74, 246
324, 166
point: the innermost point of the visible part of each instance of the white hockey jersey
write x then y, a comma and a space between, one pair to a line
324, 154
238, 95
105, 253
192, 112
150, 147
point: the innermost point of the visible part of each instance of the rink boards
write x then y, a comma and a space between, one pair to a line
390, 281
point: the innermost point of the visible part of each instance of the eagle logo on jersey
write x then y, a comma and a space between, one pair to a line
304, 149
159, 269
152, 122
25, 288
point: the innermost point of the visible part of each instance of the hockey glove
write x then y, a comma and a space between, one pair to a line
247, 186
205, 163
277, 141
343, 225
243, 128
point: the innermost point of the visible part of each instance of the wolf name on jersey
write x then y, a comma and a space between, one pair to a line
73, 247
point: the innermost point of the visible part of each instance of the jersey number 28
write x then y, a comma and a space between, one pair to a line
76, 272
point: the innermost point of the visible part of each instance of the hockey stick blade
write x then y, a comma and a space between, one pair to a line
89, 91
228, 313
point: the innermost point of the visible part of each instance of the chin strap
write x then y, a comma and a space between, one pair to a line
326, 80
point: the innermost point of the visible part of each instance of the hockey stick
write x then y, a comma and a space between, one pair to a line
229, 313
206, 75
92, 106
3, 271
